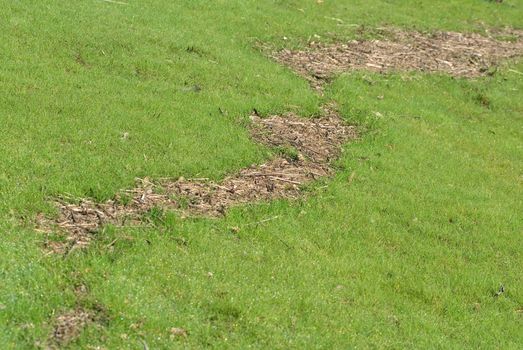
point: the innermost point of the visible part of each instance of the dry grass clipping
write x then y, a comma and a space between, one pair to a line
457, 54
315, 143
68, 326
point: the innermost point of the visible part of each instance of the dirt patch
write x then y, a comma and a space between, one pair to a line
68, 326
457, 54
307, 145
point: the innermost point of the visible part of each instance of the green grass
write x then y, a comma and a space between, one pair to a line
405, 247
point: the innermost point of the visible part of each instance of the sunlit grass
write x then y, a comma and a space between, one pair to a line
404, 247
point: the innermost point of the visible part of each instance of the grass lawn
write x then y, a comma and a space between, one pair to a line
404, 248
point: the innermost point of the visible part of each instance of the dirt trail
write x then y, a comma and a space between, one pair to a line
457, 54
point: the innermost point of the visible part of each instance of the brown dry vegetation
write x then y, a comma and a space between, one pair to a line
457, 54
315, 141
311, 143
68, 327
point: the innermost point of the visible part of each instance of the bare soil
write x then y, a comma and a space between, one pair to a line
457, 54
311, 145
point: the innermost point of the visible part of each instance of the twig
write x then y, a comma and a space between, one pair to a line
223, 187
116, 2
79, 225
284, 243
112, 243
334, 19
285, 180
316, 173
268, 174
262, 221
352, 176
71, 249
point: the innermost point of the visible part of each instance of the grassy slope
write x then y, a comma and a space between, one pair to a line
407, 253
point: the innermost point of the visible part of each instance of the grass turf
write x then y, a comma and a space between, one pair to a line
404, 247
